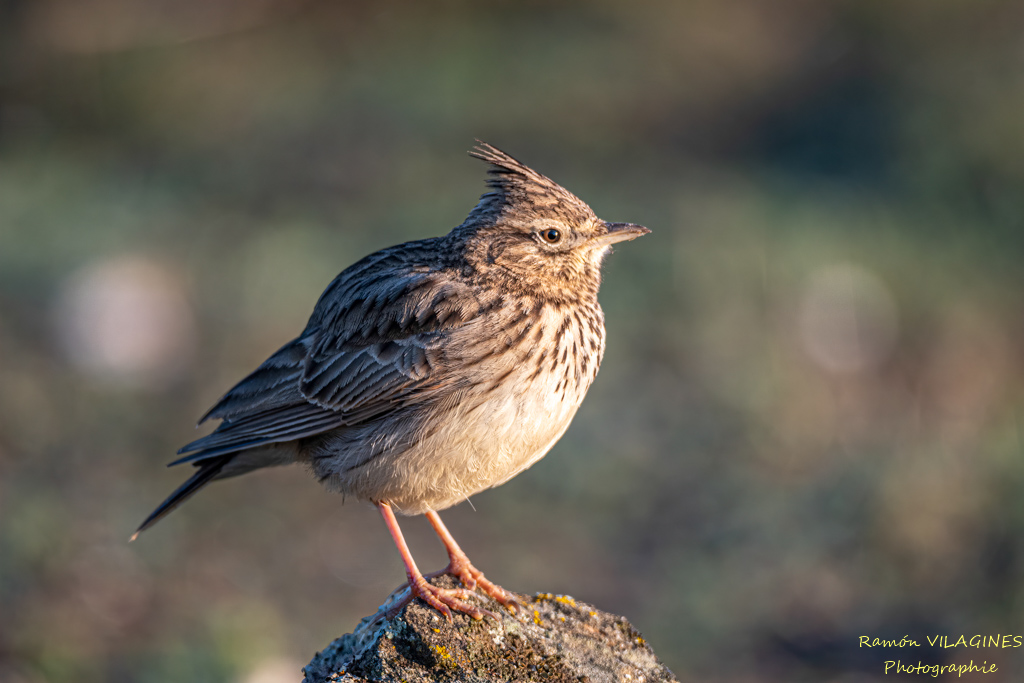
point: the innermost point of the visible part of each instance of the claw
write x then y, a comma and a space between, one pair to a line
472, 578
444, 600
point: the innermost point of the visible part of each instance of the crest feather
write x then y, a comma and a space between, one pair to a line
517, 188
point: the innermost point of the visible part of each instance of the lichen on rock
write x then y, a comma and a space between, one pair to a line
549, 638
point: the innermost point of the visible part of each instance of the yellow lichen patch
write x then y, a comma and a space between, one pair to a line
443, 651
536, 617
564, 599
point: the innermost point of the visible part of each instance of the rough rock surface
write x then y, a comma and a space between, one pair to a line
550, 638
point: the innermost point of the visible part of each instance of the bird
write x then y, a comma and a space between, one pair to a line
431, 370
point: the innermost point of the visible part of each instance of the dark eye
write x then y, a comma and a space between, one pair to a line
551, 236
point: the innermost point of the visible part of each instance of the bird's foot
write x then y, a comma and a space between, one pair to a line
444, 600
472, 578
461, 568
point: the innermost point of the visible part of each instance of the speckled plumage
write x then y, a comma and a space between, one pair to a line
433, 369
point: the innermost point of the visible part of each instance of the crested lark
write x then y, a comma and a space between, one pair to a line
434, 369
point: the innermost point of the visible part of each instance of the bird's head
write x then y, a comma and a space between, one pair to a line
533, 232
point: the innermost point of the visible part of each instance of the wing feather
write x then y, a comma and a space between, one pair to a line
372, 345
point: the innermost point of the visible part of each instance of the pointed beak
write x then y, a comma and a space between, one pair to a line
620, 232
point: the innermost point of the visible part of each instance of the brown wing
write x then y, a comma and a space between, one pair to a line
373, 344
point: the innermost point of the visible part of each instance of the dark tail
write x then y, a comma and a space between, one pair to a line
207, 471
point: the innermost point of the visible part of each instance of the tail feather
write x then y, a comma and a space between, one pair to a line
208, 470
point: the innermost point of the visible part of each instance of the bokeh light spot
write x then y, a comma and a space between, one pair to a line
126, 320
848, 319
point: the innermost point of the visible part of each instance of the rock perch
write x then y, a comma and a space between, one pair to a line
550, 638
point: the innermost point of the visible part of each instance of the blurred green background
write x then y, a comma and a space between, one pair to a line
808, 425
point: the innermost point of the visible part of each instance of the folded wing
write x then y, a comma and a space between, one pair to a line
372, 346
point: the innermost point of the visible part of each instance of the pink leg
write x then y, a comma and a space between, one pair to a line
444, 600
460, 566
